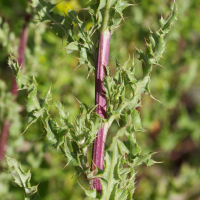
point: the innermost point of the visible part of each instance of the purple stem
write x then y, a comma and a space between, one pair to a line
100, 101
4, 135
14, 90
21, 52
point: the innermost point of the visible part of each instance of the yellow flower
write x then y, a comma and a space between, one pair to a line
63, 6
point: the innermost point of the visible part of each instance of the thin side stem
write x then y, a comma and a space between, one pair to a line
14, 89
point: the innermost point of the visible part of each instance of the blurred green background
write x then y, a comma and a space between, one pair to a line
172, 126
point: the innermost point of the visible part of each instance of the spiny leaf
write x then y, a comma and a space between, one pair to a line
133, 120
21, 80
146, 159
114, 177
81, 134
132, 144
63, 115
73, 46
120, 6
22, 179
70, 156
114, 6
55, 134
156, 46
110, 177
59, 24
65, 26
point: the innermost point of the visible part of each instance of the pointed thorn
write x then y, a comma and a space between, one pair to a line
65, 166
77, 100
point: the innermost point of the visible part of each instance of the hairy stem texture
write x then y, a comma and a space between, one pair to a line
100, 101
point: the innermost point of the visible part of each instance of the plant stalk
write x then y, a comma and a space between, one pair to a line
4, 135
14, 89
100, 98
100, 101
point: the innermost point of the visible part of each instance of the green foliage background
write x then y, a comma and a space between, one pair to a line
172, 126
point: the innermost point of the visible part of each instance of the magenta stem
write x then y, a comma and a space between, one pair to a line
14, 89
100, 101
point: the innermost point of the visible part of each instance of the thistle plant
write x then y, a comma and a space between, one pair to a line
111, 174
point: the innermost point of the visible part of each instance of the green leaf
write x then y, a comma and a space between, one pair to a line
91, 194
110, 176
146, 159
71, 156
73, 46
59, 24
55, 134
156, 46
120, 6
63, 115
22, 179
135, 121
13, 64
81, 134
132, 144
